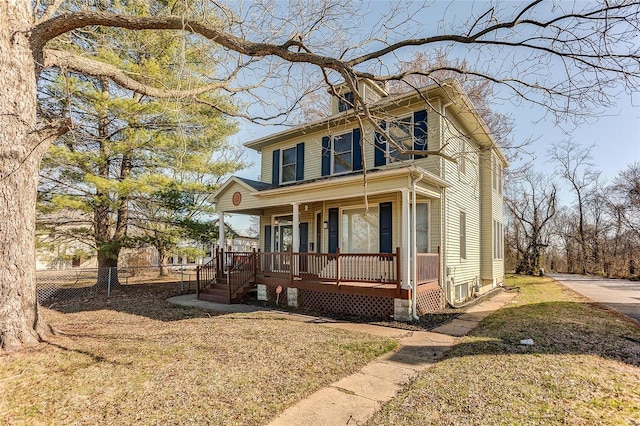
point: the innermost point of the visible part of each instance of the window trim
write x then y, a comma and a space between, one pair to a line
462, 163
388, 151
428, 203
332, 140
463, 235
344, 103
294, 147
498, 240
341, 228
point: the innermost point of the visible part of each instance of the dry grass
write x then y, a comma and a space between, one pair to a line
584, 368
135, 359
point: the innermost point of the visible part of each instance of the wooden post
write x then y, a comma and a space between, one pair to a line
290, 252
398, 271
221, 263
254, 263
198, 281
338, 266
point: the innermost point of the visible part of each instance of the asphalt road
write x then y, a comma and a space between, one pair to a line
621, 295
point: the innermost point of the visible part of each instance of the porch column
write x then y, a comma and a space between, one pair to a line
221, 240
296, 228
406, 240
296, 237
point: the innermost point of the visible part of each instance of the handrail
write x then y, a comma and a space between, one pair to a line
205, 274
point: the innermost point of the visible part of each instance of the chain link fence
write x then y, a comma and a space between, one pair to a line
73, 283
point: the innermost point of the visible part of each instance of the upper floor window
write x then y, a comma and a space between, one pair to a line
497, 174
401, 131
342, 153
462, 161
345, 101
408, 132
288, 164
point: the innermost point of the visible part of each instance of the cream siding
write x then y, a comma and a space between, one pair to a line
463, 196
224, 201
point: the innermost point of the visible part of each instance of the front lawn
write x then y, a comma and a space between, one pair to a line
136, 359
583, 369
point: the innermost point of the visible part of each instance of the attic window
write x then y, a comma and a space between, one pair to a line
345, 102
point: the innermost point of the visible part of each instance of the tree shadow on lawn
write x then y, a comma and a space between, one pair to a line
148, 300
570, 328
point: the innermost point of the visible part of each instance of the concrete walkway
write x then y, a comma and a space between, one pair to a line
355, 398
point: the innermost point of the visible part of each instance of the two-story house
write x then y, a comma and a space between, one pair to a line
350, 224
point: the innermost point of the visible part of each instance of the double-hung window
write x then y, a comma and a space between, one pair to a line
407, 133
288, 164
401, 131
289, 158
342, 153
463, 235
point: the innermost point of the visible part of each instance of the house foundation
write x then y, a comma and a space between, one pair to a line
402, 310
262, 292
292, 297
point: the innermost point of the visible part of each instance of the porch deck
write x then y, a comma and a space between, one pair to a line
372, 274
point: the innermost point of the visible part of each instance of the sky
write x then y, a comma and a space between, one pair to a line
615, 132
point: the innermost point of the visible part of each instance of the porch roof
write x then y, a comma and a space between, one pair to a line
256, 195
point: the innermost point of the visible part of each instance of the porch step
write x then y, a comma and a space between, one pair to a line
214, 298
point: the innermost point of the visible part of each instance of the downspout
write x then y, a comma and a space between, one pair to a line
443, 206
414, 248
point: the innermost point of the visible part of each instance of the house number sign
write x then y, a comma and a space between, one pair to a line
237, 198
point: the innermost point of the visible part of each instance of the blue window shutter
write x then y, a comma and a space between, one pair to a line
267, 238
420, 132
326, 156
304, 237
386, 235
275, 168
381, 148
357, 150
333, 230
300, 161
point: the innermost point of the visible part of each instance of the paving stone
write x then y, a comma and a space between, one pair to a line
456, 328
368, 386
328, 407
392, 372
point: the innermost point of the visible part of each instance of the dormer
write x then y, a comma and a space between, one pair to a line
369, 90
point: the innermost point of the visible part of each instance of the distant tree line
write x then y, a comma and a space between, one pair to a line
597, 234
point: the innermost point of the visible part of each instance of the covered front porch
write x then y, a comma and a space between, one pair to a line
368, 285
324, 246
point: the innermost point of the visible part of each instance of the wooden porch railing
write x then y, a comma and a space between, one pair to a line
206, 274
239, 270
338, 267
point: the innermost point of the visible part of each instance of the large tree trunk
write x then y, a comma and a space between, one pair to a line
22, 145
163, 257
